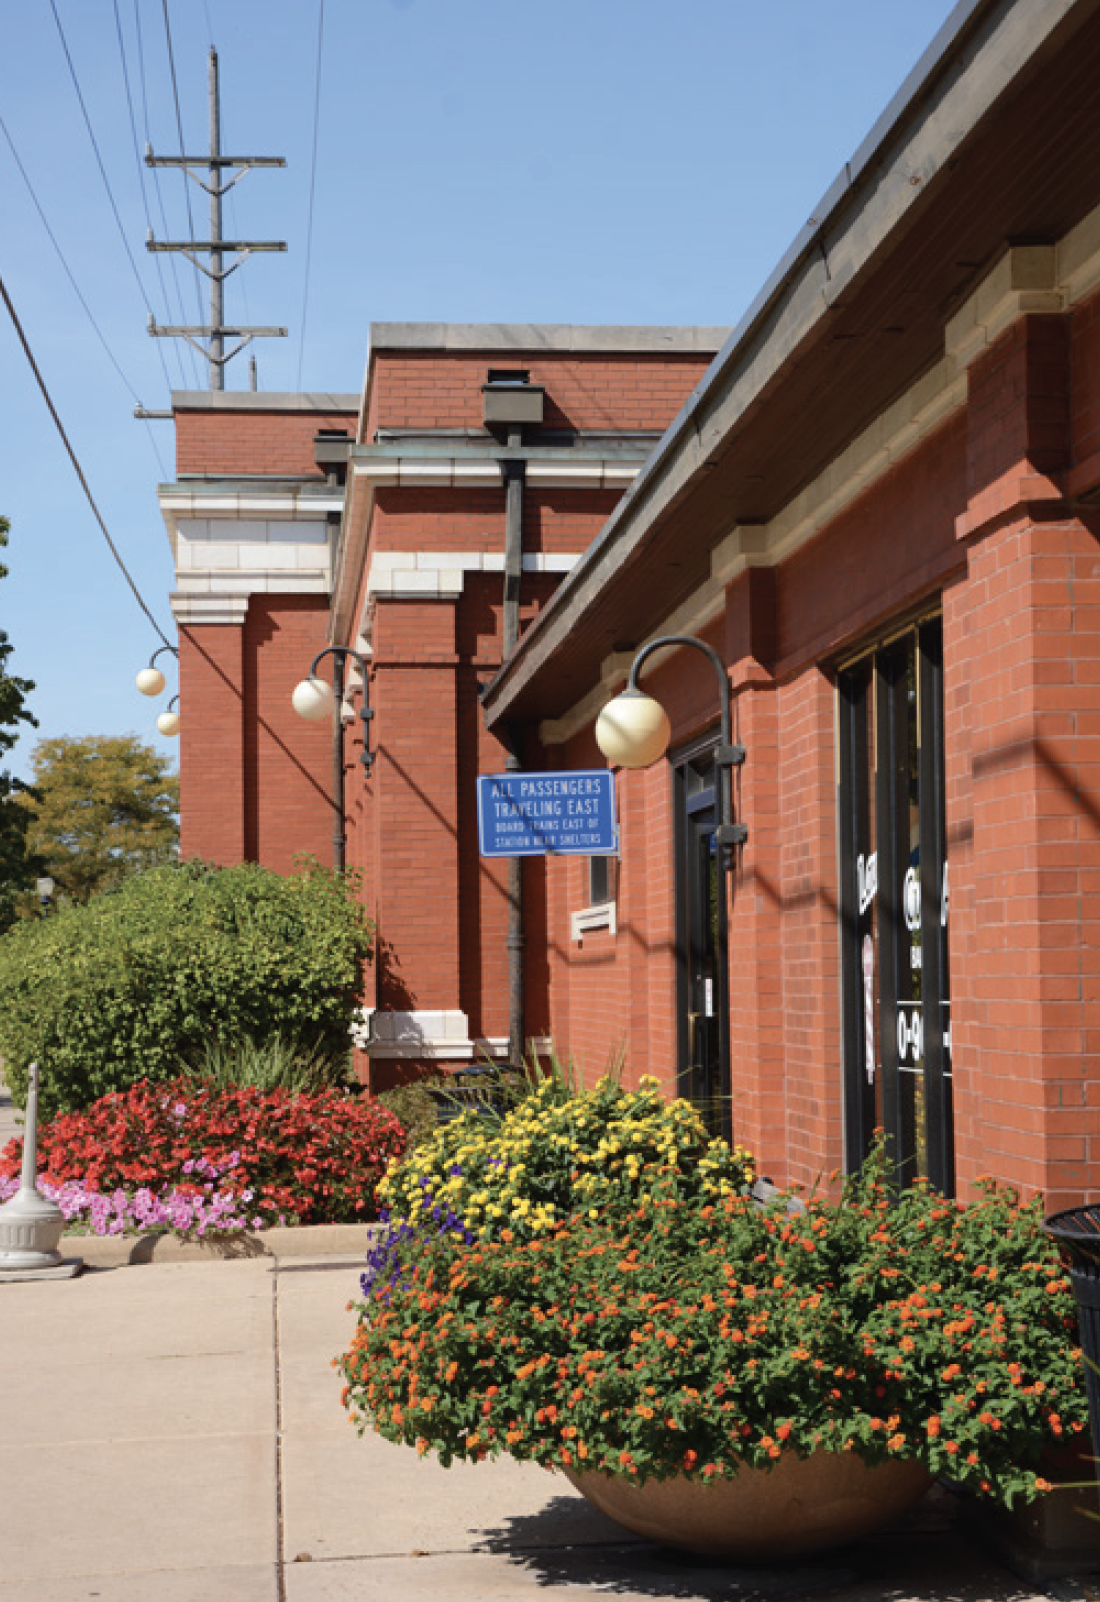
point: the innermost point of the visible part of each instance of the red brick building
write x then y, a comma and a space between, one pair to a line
299, 521
879, 506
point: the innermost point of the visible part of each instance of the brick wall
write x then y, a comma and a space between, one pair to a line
246, 443
434, 389
258, 777
972, 515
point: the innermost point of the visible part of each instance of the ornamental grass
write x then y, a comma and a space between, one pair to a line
300, 1158
688, 1334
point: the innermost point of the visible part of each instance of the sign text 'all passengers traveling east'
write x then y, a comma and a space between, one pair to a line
535, 814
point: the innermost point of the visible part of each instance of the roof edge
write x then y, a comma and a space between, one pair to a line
552, 338
248, 400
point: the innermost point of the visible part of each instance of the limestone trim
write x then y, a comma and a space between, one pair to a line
441, 1035
218, 609
591, 920
1024, 280
484, 472
441, 575
241, 542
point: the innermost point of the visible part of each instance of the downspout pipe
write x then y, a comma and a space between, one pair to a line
513, 470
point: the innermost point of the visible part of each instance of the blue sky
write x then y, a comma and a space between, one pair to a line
586, 161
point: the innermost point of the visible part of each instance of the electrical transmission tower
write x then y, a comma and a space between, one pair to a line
216, 247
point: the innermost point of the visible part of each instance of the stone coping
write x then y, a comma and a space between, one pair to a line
282, 1243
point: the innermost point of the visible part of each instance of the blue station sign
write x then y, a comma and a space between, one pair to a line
537, 814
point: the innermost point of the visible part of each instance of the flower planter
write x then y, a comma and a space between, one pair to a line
801, 1505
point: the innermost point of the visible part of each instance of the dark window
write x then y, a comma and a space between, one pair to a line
894, 906
600, 881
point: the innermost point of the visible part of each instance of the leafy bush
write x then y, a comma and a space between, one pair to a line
556, 1153
414, 1107
688, 1337
121, 990
315, 1159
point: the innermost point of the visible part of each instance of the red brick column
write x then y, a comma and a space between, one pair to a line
1022, 747
809, 903
757, 1069
1022, 654
415, 857
211, 668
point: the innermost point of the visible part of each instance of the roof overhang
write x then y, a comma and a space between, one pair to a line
993, 140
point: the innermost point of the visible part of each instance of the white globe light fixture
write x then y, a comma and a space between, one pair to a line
633, 730
169, 721
313, 699
150, 681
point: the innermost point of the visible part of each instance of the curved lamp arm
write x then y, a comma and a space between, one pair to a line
727, 754
150, 681
340, 654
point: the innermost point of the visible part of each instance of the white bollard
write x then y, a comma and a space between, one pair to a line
31, 1224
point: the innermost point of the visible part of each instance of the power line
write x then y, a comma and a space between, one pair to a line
73, 458
312, 183
140, 170
195, 384
183, 146
103, 172
76, 290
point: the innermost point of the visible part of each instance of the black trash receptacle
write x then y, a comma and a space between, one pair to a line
1076, 1232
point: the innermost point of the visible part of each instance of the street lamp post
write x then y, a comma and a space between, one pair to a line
314, 698
633, 731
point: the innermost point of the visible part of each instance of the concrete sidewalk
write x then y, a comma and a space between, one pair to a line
173, 1433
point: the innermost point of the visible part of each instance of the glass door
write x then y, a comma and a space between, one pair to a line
702, 968
894, 906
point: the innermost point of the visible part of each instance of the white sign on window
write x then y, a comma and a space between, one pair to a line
867, 875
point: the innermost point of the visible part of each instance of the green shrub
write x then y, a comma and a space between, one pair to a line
414, 1107
123, 989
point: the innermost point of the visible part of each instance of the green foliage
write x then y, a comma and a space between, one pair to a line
103, 807
414, 1108
17, 865
554, 1154
122, 989
684, 1337
280, 1062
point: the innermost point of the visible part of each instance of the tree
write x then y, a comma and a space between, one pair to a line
104, 806
17, 867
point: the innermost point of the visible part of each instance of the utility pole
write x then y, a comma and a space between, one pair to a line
214, 352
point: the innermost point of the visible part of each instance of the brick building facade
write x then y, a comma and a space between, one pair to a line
880, 508
878, 504
380, 523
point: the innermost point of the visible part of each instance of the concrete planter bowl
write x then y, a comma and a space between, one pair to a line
801, 1505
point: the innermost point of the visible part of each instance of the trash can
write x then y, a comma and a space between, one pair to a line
1076, 1232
